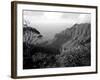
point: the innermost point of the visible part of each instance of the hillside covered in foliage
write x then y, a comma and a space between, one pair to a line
69, 48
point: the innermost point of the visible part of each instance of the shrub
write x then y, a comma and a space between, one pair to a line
75, 57
38, 57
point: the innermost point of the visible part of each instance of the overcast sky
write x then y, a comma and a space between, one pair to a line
50, 23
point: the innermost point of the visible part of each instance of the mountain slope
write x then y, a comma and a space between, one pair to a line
80, 35
69, 48
77, 33
76, 50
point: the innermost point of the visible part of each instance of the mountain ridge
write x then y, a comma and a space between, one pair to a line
76, 32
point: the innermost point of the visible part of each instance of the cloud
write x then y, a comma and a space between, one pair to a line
84, 18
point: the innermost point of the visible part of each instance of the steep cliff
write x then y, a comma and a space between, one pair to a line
76, 45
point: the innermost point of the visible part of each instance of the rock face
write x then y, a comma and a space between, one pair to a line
69, 48
80, 35
68, 37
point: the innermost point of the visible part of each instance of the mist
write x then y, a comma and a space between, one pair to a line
51, 23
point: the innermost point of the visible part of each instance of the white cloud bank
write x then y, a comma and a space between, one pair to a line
50, 23
84, 18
